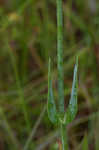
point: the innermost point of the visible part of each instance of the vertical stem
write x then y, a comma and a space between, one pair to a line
60, 56
64, 139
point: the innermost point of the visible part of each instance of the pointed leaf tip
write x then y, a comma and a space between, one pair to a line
73, 99
77, 60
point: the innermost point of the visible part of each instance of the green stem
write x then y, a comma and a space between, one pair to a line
60, 56
64, 139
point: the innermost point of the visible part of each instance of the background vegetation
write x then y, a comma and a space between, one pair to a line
27, 39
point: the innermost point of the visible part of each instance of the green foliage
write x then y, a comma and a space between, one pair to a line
28, 32
72, 108
60, 117
52, 113
71, 112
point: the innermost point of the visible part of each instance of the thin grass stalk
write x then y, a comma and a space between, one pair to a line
64, 140
61, 118
60, 72
60, 56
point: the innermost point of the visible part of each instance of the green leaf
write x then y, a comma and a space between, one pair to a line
72, 108
52, 113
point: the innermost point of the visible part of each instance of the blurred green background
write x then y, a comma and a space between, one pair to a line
28, 36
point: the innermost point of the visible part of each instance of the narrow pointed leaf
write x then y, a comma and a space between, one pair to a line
72, 109
52, 113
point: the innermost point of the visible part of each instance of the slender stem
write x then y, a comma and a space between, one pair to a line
64, 137
60, 55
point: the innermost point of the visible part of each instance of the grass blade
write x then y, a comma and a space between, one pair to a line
72, 109
52, 113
